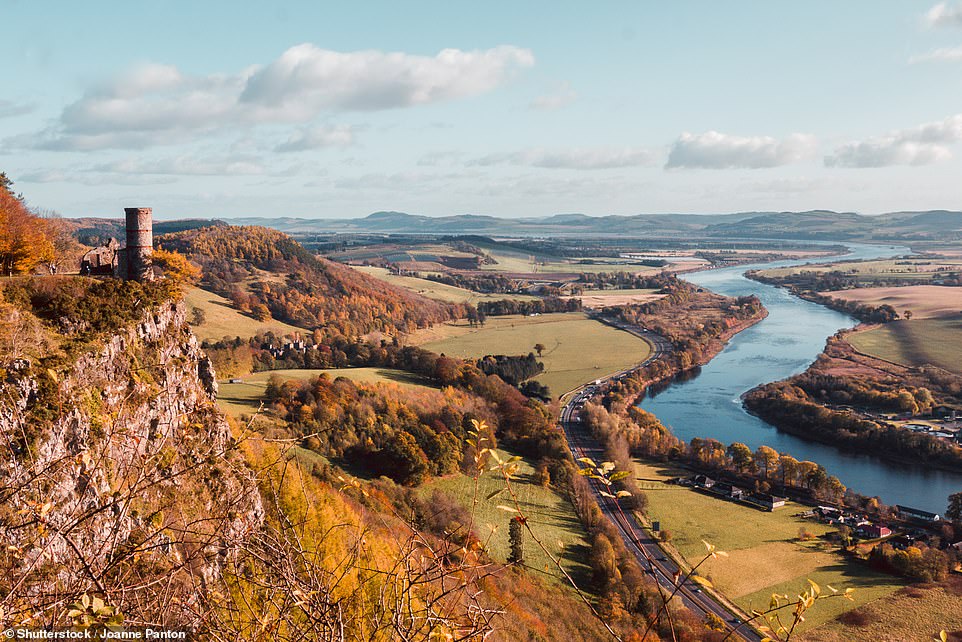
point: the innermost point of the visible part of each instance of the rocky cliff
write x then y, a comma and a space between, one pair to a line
119, 479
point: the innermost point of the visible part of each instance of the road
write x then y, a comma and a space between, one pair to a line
638, 540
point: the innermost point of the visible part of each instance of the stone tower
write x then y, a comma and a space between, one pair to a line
140, 243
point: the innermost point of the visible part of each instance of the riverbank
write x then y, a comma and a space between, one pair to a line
784, 344
852, 401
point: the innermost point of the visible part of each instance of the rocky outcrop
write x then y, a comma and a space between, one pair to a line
121, 466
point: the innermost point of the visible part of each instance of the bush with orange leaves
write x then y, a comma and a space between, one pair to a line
25, 241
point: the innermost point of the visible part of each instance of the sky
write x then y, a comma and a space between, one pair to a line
511, 109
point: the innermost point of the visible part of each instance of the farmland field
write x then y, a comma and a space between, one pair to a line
550, 516
914, 343
438, 291
577, 349
925, 301
521, 262
594, 299
914, 270
915, 613
237, 398
223, 320
764, 553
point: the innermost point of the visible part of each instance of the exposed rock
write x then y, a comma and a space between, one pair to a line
137, 458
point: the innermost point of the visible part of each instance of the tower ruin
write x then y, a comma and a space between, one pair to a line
140, 243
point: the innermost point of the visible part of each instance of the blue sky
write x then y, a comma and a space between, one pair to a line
504, 108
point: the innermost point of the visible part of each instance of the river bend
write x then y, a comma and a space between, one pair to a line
783, 344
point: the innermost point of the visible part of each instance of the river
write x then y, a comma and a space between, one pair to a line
784, 344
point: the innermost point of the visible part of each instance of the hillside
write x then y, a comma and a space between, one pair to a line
129, 499
810, 225
266, 273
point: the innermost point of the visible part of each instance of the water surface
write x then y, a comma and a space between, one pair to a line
784, 344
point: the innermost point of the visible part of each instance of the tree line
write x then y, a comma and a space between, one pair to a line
313, 293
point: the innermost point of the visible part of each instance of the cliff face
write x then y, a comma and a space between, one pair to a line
120, 478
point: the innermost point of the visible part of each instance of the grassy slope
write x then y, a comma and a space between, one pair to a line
577, 349
438, 291
223, 320
925, 301
914, 613
237, 398
763, 554
915, 342
550, 516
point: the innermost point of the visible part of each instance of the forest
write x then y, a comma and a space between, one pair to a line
266, 273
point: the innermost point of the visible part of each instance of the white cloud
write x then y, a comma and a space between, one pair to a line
942, 54
944, 15
186, 166
920, 145
714, 150
563, 97
87, 178
9, 109
575, 158
306, 77
318, 137
158, 104
440, 157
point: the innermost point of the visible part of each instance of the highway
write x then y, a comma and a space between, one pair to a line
638, 540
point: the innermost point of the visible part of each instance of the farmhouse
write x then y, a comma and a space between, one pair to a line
766, 501
873, 531
703, 481
727, 490
917, 514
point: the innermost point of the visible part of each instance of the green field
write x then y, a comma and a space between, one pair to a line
577, 349
508, 261
223, 320
238, 398
438, 291
915, 270
550, 516
915, 343
764, 555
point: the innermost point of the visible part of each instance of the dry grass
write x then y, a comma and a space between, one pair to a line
438, 291
925, 301
520, 262
223, 320
549, 515
764, 554
594, 299
915, 343
916, 270
577, 349
915, 613
238, 398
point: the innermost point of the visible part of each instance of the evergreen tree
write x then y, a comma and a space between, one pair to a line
515, 535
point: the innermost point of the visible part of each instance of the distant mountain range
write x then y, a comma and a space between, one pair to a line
822, 225
812, 225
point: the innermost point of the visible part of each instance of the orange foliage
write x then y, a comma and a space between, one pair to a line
24, 238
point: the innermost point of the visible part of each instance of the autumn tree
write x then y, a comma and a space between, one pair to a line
766, 459
176, 267
24, 242
539, 348
741, 456
954, 511
515, 535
